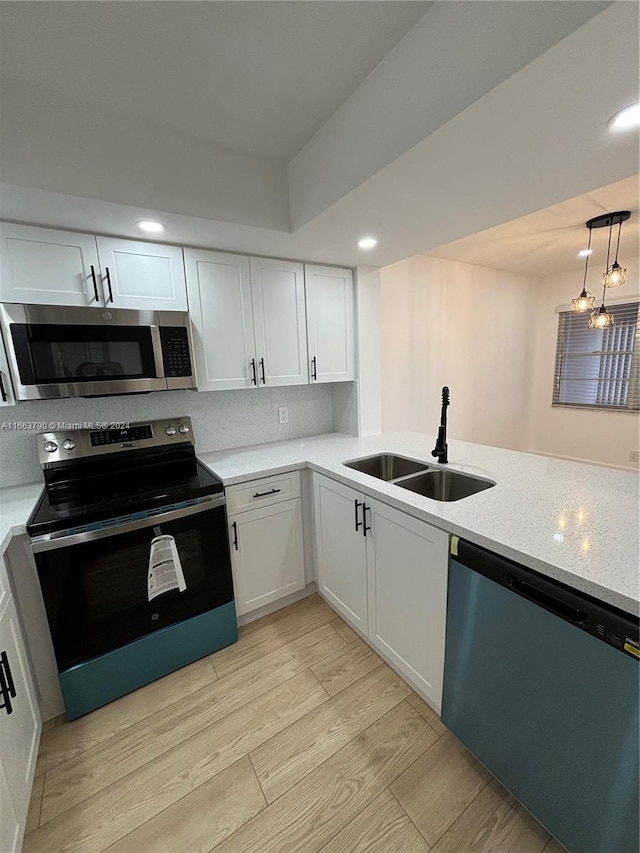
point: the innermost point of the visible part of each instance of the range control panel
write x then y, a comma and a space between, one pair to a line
72, 444
116, 436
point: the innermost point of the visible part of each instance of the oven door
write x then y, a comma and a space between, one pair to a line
95, 583
82, 352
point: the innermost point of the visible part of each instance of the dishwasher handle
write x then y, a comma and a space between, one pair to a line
549, 602
599, 619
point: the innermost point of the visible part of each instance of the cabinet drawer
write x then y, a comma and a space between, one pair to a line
266, 490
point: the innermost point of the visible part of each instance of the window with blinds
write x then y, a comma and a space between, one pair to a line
599, 368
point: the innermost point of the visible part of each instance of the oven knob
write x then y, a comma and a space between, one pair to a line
68, 444
50, 446
184, 429
170, 430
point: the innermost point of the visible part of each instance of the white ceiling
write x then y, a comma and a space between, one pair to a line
528, 131
257, 78
548, 241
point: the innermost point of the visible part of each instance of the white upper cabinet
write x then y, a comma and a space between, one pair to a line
45, 267
40, 266
248, 320
277, 289
219, 287
144, 276
330, 324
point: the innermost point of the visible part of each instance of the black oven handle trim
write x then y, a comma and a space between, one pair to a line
58, 539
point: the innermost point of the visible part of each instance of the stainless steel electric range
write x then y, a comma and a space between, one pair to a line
130, 541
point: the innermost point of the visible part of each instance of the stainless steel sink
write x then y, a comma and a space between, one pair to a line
387, 466
444, 485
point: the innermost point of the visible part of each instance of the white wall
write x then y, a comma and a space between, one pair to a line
368, 351
602, 437
221, 419
449, 323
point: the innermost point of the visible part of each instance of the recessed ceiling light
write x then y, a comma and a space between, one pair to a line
150, 226
367, 242
626, 118
584, 252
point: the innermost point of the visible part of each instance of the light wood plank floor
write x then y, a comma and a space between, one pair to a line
296, 738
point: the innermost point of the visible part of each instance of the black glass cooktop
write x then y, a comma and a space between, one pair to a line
76, 497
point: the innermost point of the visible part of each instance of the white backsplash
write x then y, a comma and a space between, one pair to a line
221, 419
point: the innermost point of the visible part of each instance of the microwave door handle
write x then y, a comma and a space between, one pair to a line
156, 342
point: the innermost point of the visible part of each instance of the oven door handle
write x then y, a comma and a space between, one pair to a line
52, 541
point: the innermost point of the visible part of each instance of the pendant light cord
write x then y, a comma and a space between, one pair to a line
586, 263
618, 243
609, 243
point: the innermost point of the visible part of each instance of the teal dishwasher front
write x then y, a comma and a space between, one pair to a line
541, 684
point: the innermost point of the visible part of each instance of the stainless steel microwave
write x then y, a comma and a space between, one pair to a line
92, 352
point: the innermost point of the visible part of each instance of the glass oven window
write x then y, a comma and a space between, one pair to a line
95, 593
51, 353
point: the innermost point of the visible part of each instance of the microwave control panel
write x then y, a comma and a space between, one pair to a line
176, 357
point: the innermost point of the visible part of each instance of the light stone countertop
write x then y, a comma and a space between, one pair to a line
575, 523
16, 503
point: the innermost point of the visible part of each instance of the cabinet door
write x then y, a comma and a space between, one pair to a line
341, 556
277, 289
267, 555
7, 397
40, 266
407, 561
9, 823
219, 287
19, 730
330, 323
143, 276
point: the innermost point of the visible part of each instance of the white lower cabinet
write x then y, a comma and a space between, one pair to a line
20, 727
407, 565
9, 823
267, 550
341, 549
386, 573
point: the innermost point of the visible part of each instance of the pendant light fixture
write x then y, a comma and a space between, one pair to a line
584, 302
613, 276
601, 318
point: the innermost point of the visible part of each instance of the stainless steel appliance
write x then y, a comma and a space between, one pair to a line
542, 683
109, 494
87, 352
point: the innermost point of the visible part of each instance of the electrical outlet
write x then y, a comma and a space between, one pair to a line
634, 456
283, 414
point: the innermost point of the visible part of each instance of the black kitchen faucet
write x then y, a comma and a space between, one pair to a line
440, 450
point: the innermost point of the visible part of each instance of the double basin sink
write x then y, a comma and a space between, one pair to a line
436, 483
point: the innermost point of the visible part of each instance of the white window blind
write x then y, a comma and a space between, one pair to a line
598, 368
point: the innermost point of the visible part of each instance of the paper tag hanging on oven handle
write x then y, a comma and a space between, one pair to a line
165, 569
